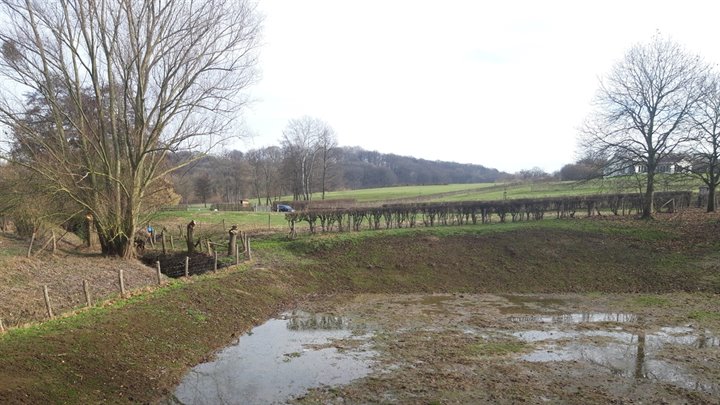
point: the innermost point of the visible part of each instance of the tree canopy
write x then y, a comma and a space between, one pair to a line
643, 109
98, 94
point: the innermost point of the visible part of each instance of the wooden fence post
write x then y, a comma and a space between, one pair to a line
248, 252
86, 288
122, 283
172, 243
237, 255
162, 241
32, 240
159, 274
47, 302
2, 327
187, 266
215, 266
54, 243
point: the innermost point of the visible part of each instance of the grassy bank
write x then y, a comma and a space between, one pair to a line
136, 350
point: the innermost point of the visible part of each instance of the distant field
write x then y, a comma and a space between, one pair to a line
393, 193
502, 191
511, 190
216, 222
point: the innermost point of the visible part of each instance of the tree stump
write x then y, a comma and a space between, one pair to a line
190, 244
232, 240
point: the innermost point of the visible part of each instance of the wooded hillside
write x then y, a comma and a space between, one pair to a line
264, 174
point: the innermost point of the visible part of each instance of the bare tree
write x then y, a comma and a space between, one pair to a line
265, 172
203, 188
300, 144
643, 108
327, 149
115, 86
229, 176
22, 200
706, 151
255, 160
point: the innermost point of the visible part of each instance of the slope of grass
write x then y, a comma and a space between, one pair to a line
137, 350
513, 190
375, 195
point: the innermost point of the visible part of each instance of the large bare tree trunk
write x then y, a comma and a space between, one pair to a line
92, 241
711, 198
648, 201
111, 88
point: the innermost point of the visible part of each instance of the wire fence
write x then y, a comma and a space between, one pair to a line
164, 254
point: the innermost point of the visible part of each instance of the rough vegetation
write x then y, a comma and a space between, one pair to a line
136, 350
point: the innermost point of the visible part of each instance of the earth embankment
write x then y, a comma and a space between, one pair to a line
137, 350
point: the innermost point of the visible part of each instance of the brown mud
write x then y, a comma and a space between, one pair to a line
646, 275
568, 348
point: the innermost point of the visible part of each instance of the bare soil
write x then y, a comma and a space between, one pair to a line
666, 272
469, 348
22, 279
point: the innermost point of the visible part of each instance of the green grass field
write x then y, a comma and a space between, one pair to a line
512, 190
401, 192
216, 221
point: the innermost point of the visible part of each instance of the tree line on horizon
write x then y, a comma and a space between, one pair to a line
110, 110
265, 175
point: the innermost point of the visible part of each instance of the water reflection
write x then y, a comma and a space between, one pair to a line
577, 318
631, 355
278, 360
299, 320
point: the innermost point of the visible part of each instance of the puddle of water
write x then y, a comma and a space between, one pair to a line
276, 361
283, 358
626, 354
577, 318
436, 299
530, 304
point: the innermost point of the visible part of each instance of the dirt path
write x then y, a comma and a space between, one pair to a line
462, 348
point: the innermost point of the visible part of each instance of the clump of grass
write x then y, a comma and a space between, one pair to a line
197, 315
651, 301
704, 315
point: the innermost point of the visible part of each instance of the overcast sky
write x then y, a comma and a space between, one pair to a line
503, 84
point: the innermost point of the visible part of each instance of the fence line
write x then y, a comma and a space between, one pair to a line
86, 290
188, 271
473, 212
46, 295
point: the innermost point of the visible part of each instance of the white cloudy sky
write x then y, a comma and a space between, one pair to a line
504, 84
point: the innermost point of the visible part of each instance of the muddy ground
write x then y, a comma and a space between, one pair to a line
662, 273
22, 278
470, 348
